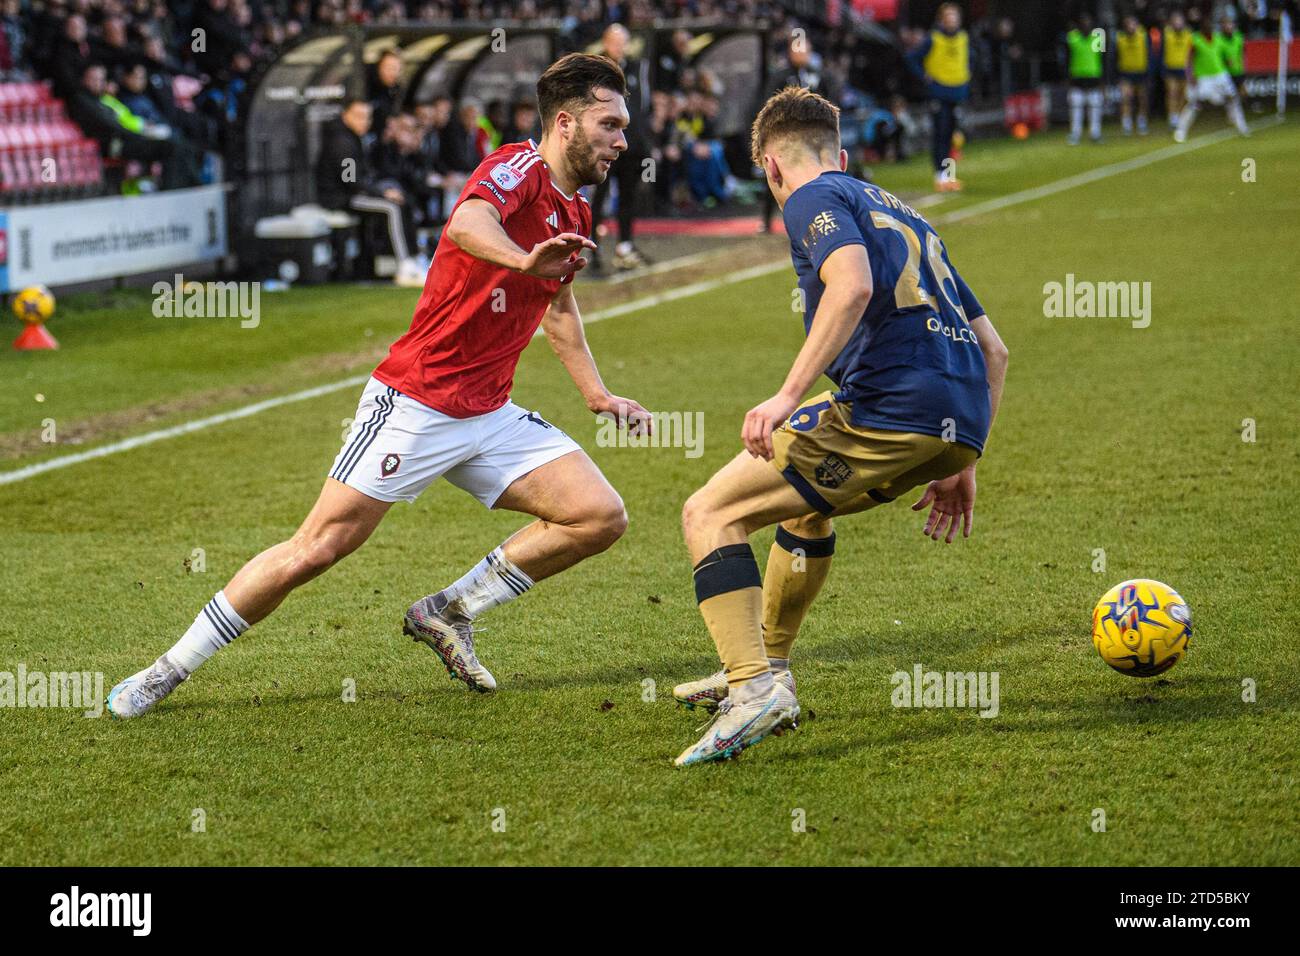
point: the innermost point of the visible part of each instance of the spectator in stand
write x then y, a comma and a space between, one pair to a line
121, 133
346, 179
706, 168
385, 88
458, 152
665, 149
943, 61
671, 63
1005, 58
221, 38
431, 122
134, 92
13, 41
803, 68
114, 49
222, 100
628, 170
432, 118
70, 57
524, 123
492, 121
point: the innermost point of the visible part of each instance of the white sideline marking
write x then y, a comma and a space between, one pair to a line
185, 428
1093, 175
148, 438
636, 305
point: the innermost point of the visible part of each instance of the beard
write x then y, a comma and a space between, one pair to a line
583, 161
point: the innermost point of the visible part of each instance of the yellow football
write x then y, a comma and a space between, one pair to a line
1141, 627
34, 304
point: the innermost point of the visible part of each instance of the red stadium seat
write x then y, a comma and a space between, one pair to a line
34, 130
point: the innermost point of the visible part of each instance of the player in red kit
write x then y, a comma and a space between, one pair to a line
439, 404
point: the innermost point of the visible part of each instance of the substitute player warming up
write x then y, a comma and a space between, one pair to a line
439, 404
919, 371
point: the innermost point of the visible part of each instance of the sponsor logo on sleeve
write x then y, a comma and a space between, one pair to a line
507, 177
495, 192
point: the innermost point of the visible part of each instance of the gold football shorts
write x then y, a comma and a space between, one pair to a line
840, 468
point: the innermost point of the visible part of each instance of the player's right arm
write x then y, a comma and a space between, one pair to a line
476, 227
995, 361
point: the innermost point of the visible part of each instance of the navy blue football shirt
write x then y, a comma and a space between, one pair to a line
913, 363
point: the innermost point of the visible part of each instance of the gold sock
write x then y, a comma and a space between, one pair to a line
730, 593
796, 570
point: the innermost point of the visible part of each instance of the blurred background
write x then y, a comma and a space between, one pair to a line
236, 101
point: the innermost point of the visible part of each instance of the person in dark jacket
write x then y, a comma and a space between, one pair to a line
385, 88
221, 37
803, 68
346, 179
104, 119
628, 170
70, 57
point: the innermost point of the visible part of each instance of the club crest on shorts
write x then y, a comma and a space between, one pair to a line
507, 177
832, 472
388, 467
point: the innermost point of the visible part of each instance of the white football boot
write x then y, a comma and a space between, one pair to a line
740, 725
139, 692
451, 636
709, 692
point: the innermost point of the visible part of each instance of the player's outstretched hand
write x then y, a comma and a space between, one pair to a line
761, 421
952, 501
557, 257
628, 413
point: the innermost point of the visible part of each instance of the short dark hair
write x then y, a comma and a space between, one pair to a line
798, 114
571, 81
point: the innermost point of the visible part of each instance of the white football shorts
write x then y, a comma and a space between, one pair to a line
397, 447
1216, 89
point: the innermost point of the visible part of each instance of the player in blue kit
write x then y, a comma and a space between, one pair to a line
918, 370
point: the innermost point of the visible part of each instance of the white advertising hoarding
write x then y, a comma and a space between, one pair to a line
65, 243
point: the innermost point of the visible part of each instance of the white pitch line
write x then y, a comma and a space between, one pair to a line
162, 434
636, 305
148, 438
1092, 175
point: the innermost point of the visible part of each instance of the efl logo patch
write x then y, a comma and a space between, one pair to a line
507, 177
388, 467
832, 472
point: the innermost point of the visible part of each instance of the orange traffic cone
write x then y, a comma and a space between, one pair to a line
35, 336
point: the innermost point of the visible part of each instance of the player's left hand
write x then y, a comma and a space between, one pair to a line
627, 412
952, 501
762, 420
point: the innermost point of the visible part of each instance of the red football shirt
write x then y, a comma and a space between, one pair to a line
474, 317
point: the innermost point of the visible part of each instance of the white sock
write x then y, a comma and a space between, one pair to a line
1188, 117
1237, 116
778, 664
752, 689
493, 581
1095, 104
1076, 113
216, 626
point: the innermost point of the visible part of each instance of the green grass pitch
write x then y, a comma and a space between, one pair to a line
1110, 437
